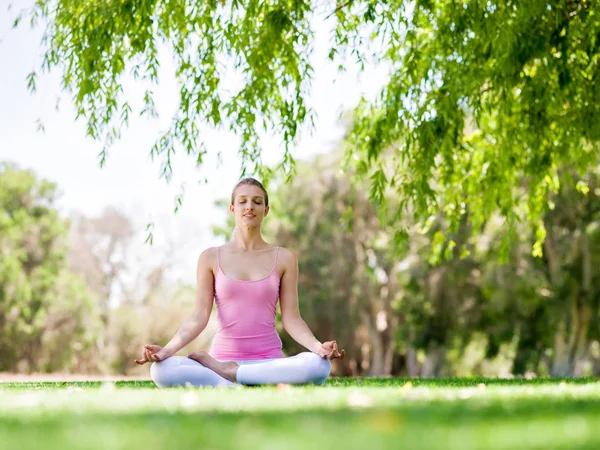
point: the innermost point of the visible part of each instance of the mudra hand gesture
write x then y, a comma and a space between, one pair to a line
329, 350
153, 353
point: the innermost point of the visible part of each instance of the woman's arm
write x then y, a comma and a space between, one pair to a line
290, 313
288, 299
196, 323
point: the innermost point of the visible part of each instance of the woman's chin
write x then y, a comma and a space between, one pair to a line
250, 223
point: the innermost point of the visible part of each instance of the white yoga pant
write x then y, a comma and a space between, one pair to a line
304, 368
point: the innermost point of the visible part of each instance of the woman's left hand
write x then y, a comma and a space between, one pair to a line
329, 350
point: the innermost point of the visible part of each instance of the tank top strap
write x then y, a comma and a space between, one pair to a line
218, 262
276, 255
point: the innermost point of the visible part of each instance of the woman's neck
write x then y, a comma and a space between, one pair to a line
248, 239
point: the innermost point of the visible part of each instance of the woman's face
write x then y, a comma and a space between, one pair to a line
248, 206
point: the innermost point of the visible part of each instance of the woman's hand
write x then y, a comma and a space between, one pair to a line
153, 353
329, 350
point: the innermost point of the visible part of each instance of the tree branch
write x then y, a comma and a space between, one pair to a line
338, 8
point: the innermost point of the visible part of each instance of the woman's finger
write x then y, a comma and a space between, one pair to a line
337, 354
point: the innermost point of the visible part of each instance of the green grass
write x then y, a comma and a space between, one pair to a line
345, 413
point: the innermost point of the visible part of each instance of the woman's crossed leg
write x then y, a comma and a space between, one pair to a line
203, 370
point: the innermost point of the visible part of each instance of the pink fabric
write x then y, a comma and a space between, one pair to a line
246, 317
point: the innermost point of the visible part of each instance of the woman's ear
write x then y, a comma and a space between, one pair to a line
230, 207
266, 211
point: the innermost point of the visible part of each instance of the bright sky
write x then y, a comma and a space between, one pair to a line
129, 180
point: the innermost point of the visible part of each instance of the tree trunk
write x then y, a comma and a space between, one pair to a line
412, 365
377, 363
433, 362
389, 357
382, 348
560, 360
571, 340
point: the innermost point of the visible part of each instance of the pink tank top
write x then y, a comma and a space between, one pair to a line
246, 317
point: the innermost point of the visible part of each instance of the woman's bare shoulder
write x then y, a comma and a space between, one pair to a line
287, 257
208, 257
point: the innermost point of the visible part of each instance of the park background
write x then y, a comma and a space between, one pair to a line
98, 261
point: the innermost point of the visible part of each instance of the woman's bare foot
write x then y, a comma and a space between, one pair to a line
227, 369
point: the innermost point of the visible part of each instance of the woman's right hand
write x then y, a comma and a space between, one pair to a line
153, 353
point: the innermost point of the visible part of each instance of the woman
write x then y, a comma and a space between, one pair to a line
245, 277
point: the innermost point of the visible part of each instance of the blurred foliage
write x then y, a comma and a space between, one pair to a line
47, 314
57, 282
445, 307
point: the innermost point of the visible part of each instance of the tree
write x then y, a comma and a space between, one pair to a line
98, 251
481, 94
421, 315
137, 302
484, 96
548, 307
47, 314
347, 283
572, 250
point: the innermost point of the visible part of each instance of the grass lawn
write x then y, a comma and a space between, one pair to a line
364, 414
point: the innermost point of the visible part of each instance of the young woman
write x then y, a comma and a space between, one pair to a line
246, 277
